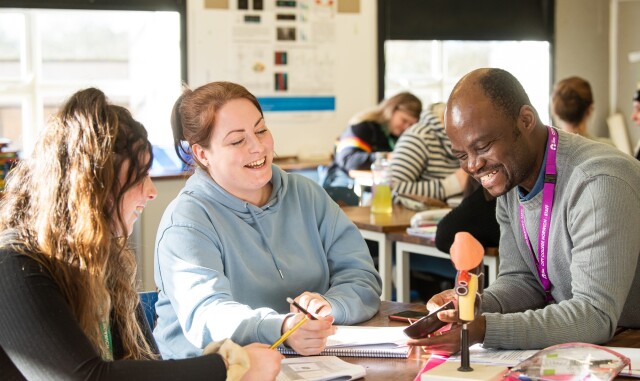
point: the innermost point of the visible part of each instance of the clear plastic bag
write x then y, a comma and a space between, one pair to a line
571, 361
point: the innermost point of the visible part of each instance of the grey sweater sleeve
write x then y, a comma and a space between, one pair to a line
593, 259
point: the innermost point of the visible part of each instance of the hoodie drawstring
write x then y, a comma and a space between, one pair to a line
264, 239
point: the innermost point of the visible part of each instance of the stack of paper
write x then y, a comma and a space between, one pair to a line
358, 341
424, 231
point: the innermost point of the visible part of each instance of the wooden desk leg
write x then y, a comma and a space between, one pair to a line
384, 260
403, 249
402, 273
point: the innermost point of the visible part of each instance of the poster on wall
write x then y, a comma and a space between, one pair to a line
284, 52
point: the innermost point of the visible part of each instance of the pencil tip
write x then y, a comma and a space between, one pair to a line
289, 300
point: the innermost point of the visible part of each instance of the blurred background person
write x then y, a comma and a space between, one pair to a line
422, 163
572, 107
635, 116
371, 131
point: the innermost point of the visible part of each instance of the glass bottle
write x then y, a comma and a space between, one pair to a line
381, 202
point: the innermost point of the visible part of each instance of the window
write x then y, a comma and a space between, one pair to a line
426, 46
430, 69
46, 55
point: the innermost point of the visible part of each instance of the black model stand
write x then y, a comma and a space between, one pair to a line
464, 350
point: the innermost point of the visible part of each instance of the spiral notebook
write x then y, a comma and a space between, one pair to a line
356, 341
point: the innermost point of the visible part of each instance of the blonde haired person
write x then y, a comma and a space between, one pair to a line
371, 131
70, 307
572, 107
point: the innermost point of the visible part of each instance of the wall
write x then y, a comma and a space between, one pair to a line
628, 73
209, 37
582, 48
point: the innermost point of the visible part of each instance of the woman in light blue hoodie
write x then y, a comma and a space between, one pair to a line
243, 235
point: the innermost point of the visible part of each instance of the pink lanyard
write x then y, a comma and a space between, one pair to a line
545, 213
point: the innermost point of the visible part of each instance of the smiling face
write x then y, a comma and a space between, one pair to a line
240, 152
400, 121
135, 198
492, 148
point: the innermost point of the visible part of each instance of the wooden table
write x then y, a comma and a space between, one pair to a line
375, 227
391, 369
410, 244
294, 163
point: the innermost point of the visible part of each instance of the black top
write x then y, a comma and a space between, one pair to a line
474, 215
41, 340
356, 148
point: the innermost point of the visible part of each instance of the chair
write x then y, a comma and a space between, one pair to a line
148, 301
343, 196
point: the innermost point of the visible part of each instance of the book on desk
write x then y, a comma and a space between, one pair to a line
358, 341
319, 368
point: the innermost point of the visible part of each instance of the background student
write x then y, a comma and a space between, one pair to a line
422, 163
70, 308
635, 116
589, 254
572, 107
243, 235
371, 131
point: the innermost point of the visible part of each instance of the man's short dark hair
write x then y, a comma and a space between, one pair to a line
505, 91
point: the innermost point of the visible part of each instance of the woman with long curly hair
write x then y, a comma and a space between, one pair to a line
70, 309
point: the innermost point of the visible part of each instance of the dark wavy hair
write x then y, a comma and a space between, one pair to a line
61, 204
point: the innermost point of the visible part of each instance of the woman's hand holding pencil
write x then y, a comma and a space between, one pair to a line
311, 302
306, 334
289, 332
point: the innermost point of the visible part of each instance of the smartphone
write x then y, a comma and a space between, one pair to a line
428, 324
407, 316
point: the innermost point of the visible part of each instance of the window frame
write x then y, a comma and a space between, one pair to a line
22, 93
179, 6
469, 20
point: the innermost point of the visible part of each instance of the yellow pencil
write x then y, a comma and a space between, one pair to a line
288, 333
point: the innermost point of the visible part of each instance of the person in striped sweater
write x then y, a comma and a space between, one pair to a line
422, 163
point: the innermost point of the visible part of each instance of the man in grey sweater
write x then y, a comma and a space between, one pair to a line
569, 215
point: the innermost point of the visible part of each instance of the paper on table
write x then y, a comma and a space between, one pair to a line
355, 341
349, 336
424, 231
510, 358
480, 355
319, 368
